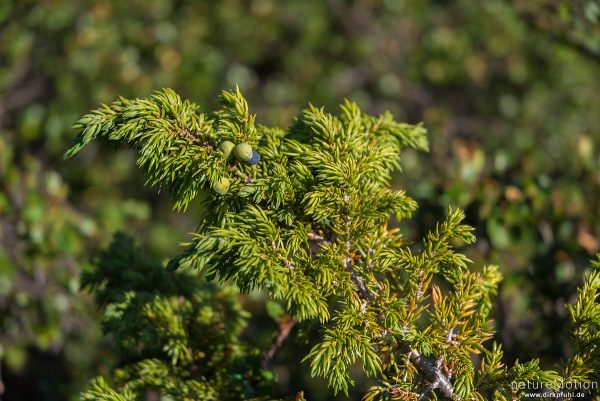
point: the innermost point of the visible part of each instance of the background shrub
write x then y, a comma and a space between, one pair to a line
507, 91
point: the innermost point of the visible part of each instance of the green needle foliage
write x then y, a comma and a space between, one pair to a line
177, 336
584, 365
308, 225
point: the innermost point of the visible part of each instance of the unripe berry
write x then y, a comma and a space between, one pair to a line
255, 158
222, 186
227, 149
243, 152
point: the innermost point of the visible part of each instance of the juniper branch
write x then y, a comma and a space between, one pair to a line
302, 215
433, 373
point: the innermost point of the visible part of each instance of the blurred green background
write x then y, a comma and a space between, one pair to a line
509, 91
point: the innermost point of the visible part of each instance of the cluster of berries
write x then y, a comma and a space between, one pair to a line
242, 152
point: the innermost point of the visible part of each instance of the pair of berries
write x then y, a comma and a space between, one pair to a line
243, 152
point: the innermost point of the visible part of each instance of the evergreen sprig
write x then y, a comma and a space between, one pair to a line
175, 141
308, 223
